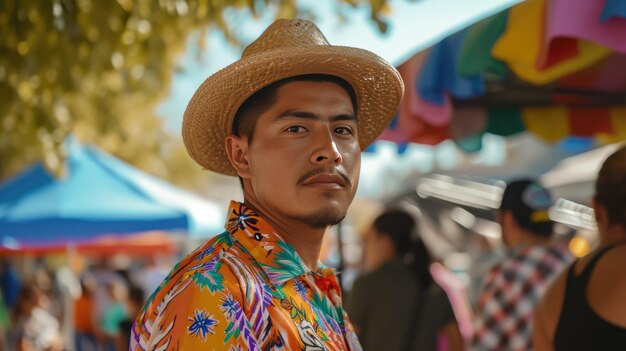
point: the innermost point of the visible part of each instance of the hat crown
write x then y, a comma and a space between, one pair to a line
287, 33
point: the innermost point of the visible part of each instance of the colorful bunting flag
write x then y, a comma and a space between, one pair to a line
505, 121
521, 43
539, 41
582, 20
549, 123
590, 121
475, 54
613, 9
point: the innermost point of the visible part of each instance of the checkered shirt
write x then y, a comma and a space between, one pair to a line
512, 288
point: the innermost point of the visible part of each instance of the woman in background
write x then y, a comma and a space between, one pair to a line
397, 305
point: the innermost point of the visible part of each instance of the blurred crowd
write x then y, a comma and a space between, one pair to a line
518, 294
405, 298
46, 308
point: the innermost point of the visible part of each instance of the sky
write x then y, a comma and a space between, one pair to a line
413, 25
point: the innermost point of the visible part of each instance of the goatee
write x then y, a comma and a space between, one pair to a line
324, 218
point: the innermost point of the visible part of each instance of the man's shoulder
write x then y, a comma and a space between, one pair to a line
535, 254
196, 297
207, 269
203, 280
616, 258
217, 255
525, 262
212, 247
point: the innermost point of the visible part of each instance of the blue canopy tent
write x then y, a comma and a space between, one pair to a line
100, 195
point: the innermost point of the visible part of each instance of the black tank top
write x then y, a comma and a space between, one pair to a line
580, 327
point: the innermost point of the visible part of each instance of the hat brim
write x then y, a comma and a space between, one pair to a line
209, 116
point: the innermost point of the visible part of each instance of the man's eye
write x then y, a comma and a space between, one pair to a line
295, 129
343, 130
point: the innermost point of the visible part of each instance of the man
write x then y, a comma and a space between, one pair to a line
584, 308
513, 287
290, 119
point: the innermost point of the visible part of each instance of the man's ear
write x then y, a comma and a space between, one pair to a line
237, 150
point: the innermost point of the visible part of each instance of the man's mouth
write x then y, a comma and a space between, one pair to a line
323, 179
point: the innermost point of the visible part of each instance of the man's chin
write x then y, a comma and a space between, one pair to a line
325, 217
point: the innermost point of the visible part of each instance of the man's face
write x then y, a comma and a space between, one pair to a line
304, 160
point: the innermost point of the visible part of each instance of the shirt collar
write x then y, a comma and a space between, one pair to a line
277, 258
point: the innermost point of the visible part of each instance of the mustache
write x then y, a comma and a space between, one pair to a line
321, 170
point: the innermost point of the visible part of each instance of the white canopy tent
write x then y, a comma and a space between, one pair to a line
573, 178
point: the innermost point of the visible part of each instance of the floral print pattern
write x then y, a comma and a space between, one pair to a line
246, 289
202, 324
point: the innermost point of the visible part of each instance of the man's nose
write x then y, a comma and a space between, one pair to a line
325, 151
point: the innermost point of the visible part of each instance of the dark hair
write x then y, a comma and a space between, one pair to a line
529, 203
137, 296
259, 102
611, 187
28, 293
401, 227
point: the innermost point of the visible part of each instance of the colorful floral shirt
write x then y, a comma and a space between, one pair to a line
246, 289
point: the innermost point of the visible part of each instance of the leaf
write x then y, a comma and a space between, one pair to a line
110, 63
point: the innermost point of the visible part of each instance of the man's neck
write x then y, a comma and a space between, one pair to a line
526, 238
612, 235
307, 241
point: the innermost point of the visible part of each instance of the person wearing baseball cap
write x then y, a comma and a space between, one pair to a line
513, 287
290, 119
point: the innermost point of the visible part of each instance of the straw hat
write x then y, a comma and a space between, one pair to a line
286, 49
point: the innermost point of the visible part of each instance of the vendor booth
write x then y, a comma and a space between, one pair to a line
100, 196
550, 67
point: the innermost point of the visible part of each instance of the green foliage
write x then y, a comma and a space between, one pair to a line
98, 69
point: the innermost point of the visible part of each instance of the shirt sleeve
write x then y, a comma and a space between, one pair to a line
201, 310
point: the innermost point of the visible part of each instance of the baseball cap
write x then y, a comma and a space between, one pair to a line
529, 202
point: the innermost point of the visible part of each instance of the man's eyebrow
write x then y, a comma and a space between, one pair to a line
310, 115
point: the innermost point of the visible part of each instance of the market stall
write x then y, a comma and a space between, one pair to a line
544, 66
101, 195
